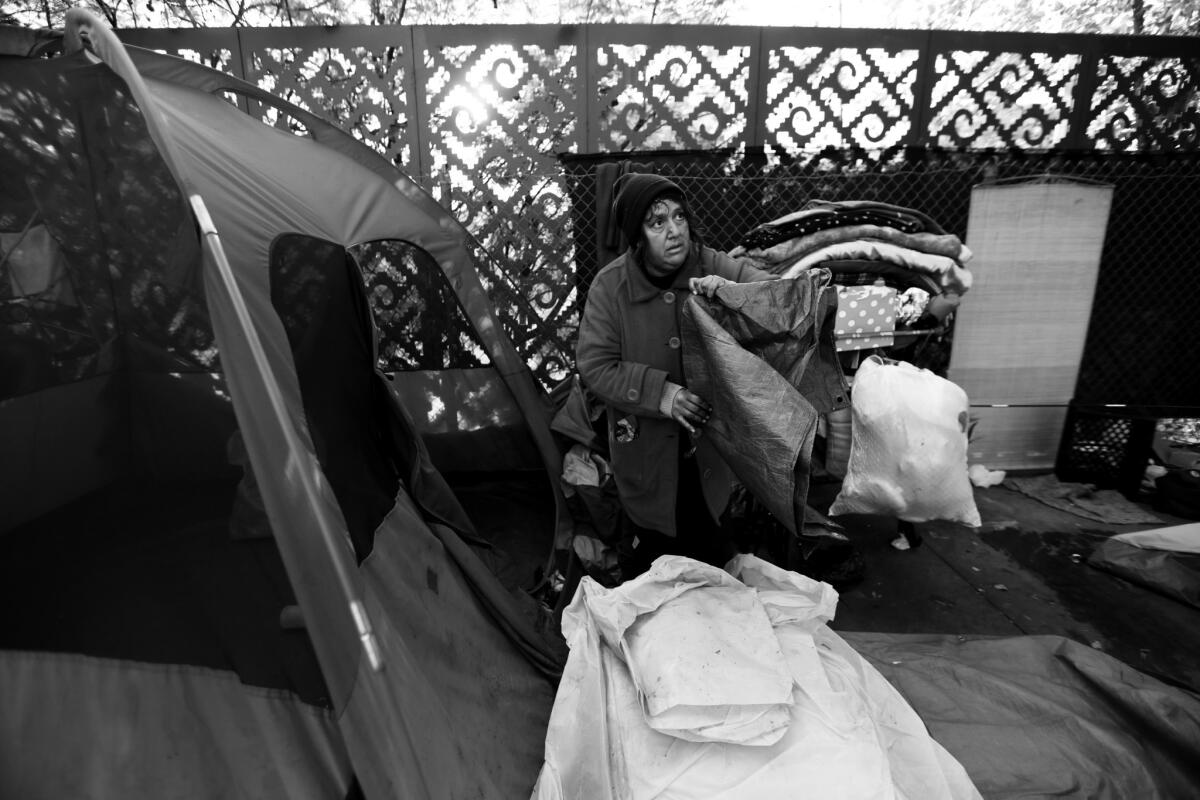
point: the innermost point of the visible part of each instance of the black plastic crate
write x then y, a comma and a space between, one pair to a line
1108, 447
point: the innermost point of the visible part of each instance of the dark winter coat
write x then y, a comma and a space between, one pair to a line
628, 348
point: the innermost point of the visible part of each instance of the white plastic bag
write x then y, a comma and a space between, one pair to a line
850, 734
908, 454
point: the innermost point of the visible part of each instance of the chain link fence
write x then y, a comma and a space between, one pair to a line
1145, 324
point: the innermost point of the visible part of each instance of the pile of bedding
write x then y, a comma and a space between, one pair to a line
904, 268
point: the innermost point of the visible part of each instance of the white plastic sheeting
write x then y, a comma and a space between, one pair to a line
1177, 538
673, 690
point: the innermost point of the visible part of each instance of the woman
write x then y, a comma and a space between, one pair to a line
673, 486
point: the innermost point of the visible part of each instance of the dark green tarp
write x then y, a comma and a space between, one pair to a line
763, 355
1164, 560
1043, 716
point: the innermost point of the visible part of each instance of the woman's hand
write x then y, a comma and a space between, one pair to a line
690, 411
707, 285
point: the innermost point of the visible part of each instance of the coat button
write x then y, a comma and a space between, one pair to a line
668, 297
707, 474
632, 394
673, 342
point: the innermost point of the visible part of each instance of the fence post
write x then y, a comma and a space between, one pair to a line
414, 82
585, 96
1081, 100
923, 92
757, 101
239, 67
242, 69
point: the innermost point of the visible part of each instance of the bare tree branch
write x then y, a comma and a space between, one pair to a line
1164, 17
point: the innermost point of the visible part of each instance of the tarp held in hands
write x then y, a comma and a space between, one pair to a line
763, 355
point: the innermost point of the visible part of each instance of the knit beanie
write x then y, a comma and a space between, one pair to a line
635, 192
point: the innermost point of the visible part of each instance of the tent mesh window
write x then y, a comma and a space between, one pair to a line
96, 245
421, 324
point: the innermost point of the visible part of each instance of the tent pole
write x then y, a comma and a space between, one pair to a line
337, 554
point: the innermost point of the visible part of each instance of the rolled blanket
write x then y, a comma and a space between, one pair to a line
938, 244
951, 276
811, 220
927, 222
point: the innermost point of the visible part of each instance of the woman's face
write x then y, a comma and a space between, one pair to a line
668, 239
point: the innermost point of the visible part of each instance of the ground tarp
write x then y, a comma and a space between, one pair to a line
1083, 500
1043, 716
1165, 560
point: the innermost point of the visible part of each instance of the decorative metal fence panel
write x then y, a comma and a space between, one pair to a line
669, 88
495, 121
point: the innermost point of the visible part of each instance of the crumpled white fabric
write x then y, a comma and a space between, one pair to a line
646, 652
983, 477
